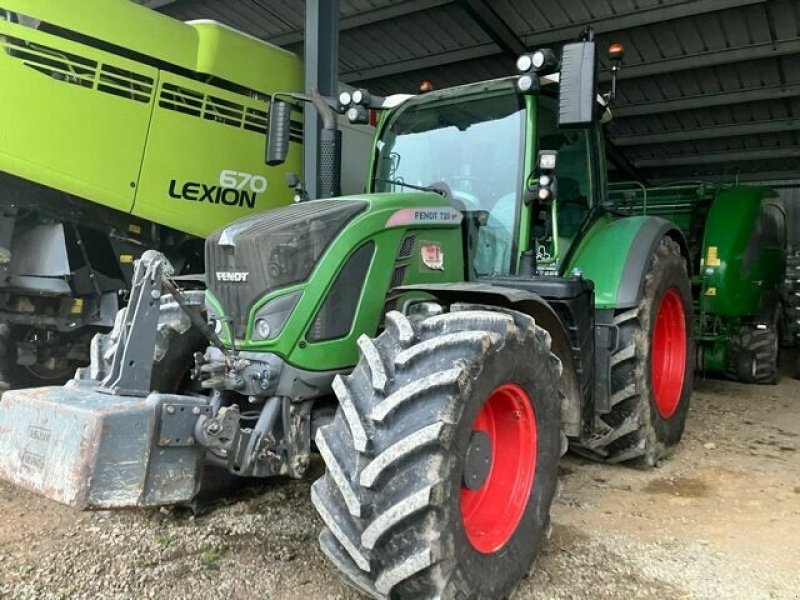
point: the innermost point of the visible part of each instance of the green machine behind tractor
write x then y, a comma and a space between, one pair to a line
440, 340
737, 240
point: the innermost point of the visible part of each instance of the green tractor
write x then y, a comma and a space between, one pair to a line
122, 130
440, 340
737, 238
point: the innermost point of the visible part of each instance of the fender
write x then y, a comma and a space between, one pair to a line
615, 254
533, 305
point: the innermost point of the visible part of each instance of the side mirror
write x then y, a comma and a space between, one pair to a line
278, 135
577, 85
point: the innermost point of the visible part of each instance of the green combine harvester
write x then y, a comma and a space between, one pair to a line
440, 340
123, 130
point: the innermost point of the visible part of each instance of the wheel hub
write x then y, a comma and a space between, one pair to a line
499, 469
668, 353
479, 460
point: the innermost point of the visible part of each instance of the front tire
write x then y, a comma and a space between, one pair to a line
421, 497
652, 370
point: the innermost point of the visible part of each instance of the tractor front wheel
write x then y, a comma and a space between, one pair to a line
442, 458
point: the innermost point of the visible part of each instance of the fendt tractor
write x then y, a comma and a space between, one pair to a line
122, 130
440, 340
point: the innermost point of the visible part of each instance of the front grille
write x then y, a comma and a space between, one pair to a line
275, 249
335, 317
406, 247
398, 276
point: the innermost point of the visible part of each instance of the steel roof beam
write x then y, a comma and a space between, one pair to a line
770, 92
423, 62
717, 157
495, 27
707, 59
706, 133
635, 18
765, 176
368, 17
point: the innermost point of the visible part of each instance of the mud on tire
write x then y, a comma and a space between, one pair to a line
391, 498
643, 426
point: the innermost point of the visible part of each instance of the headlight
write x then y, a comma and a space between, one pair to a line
271, 318
524, 63
262, 329
525, 83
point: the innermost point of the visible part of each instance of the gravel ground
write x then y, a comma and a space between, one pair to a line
721, 519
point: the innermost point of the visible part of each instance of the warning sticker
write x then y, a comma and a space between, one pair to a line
432, 256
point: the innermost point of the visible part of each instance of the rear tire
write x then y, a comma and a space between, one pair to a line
400, 520
756, 355
652, 369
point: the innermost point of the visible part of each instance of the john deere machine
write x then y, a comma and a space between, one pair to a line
122, 130
737, 241
440, 340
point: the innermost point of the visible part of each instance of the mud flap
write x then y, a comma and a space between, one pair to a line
91, 450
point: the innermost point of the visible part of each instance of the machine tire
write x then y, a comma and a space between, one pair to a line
172, 370
648, 411
392, 495
758, 351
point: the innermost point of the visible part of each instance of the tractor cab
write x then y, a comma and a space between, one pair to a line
478, 146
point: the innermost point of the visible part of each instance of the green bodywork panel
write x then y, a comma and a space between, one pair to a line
737, 247
373, 226
602, 253
747, 260
123, 106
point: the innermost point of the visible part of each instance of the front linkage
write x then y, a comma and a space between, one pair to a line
276, 437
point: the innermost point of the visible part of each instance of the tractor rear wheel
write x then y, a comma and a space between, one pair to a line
652, 369
442, 458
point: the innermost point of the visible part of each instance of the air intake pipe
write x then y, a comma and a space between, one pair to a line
329, 161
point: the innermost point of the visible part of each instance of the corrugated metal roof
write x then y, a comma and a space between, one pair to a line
704, 82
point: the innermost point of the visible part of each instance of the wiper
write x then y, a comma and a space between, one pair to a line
421, 188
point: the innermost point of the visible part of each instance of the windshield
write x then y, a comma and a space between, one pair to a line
472, 149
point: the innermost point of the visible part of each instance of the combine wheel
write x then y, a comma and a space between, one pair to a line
651, 370
441, 460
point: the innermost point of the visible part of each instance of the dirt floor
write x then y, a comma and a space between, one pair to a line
721, 519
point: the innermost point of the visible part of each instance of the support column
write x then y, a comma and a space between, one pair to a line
321, 66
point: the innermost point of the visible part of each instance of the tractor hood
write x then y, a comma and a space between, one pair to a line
286, 265
256, 255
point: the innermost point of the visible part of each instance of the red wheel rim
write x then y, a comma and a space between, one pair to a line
492, 512
668, 353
